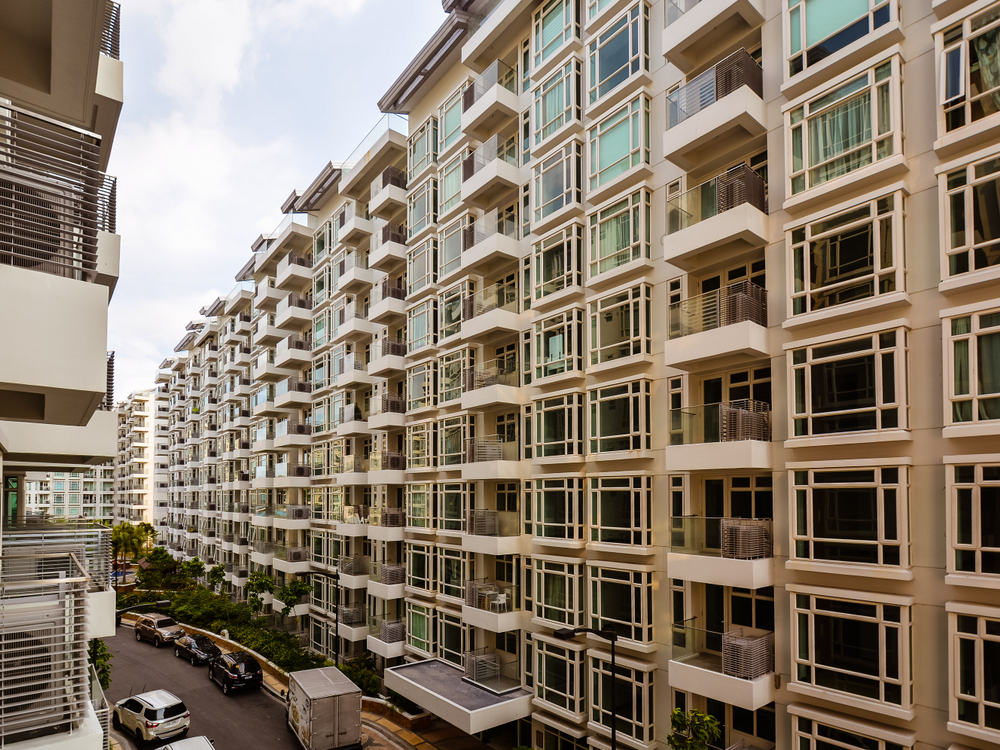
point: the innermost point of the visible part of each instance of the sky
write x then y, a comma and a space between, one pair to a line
229, 106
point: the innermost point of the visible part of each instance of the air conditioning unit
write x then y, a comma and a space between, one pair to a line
298, 555
298, 512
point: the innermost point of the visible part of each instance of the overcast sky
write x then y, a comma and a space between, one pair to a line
229, 106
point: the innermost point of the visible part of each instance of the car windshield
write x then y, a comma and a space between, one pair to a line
203, 642
166, 622
167, 712
251, 667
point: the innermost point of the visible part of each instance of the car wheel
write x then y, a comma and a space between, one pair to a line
157, 642
140, 741
194, 661
138, 635
225, 688
115, 721
177, 652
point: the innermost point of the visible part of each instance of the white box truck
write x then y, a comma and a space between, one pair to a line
324, 709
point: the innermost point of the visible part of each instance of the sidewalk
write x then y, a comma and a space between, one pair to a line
438, 735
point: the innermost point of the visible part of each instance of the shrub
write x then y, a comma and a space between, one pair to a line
362, 673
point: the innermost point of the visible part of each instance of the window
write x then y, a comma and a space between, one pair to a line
973, 220
452, 367
453, 567
558, 346
553, 24
421, 386
853, 515
851, 127
560, 676
451, 182
420, 505
974, 519
423, 147
559, 591
450, 119
975, 367
621, 600
421, 265
619, 233
422, 207
420, 627
620, 417
619, 52
420, 443
556, 505
557, 260
557, 101
970, 70
455, 499
808, 734
421, 325
856, 647
633, 698
558, 427
451, 308
975, 664
452, 638
621, 510
619, 142
850, 385
420, 567
450, 246
556, 182
849, 256
820, 28
619, 325
452, 433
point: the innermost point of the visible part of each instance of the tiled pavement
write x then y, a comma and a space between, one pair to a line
438, 735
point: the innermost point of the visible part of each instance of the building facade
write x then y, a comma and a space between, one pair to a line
73, 495
140, 481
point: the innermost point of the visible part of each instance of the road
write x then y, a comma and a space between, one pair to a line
241, 721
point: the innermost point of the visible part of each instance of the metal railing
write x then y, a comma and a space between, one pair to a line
718, 82
111, 32
387, 461
716, 196
90, 542
390, 177
490, 448
393, 347
732, 538
353, 566
389, 574
491, 596
387, 517
733, 653
484, 522
500, 296
389, 232
390, 288
496, 221
497, 74
725, 422
495, 148
386, 630
495, 372
736, 303
495, 670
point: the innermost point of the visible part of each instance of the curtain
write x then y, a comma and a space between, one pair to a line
615, 235
985, 47
552, 26
988, 361
840, 129
552, 108
614, 144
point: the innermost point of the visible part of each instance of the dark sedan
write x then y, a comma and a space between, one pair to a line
198, 649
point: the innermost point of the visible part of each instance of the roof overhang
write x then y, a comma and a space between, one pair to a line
320, 188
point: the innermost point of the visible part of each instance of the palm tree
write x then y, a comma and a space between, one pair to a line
147, 533
125, 541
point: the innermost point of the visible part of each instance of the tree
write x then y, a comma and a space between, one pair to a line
692, 730
216, 576
193, 569
101, 658
291, 594
147, 533
125, 542
161, 572
257, 584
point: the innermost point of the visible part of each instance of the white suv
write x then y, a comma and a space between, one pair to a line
152, 716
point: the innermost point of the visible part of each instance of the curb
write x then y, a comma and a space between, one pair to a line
390, 737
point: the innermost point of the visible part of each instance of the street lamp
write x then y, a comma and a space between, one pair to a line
566, 634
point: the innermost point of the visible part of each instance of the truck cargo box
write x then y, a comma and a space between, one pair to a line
324, 709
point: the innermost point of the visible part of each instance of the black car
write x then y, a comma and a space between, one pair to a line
196, 649
236, 671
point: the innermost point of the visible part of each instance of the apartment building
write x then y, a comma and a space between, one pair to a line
60, 97
140, 481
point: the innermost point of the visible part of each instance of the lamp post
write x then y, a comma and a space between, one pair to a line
566, 634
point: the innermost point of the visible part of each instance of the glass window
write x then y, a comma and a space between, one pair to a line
622, 601
815, 735
423, 147
852, 515
851, 385
557, 261
850, 646
450, 119
620, 418
974, 519
619, 52
451, 182
451, 308
421, 386
621, 510
452, 434
558, 345
619, 142
975, 366
845, 129
975, 658
421, 440
554, 24
452, 368
421, 325
619, 325
558, 427
820, 28
557, 101
421, 265
420, 627
453, 565
972, 221
970, 70
559, 592
556, 183
422, 207
633, 690
560, 679
452, 638
421, 501
619, 233
454, 501
849, 256
554, 508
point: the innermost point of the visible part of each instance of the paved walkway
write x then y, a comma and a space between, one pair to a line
438, 735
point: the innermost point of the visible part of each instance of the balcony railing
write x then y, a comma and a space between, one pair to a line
388, 232
716, 196
491, 596
288, 469
736, 303
392, 347
495, 148
387, 461
482, 522
389, 574
388, 122
495, 222
732, 538
111, 32
734, 653
495, 372
490, 448
386, 630
724, 422
354, 413
353, 566
349, 464
497, 74
701, 92
387, 517
353, 616
495, 670
90, 542
390, 288
500, 296
390, 177
355, 514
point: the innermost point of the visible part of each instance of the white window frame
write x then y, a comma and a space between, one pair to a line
452, 104
806, 731
460, 360
421, 442
568, 159
429, 614
634, 24
569, 242
565, 84
535, 501
795, 32
541, 51
977, 323
421, 265
954, 43
462, 425
447, 201
426, 311
466, 492
422, 377
423, 197
632, 676
958, 190
638, 508
453, 554
567, 323
637, 205
536, 443
451, 299
421, 505
425, 137
638, 581
571, 702
637, 300
965, 479
970, 628
634, 116
447, 620
633, 395
571, 609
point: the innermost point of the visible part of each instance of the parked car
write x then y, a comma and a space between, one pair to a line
235, 671
155, 715
157, 628
191, 743
196, 649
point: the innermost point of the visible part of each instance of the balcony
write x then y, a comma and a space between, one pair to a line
492, 457
491, 170
492, 605
387, 251
388, 194
267, 297
294, 313
387, 412
734, 667
388, 302
386, 637
353, 421
291, 559
387, 580
292, 392
356, 226
491, 240
352, 624
350, 470
726, 213
353, 571
291, 433
493, 383
494, 310
700, 135
469, 699
386, 524
386, 467
697, 29
353, 521
262, 553
722, 328
727, 435
384, 145
355, 275
722, 551
351, 324
294, 273
492, 532
389, 358
491, 100
351, 371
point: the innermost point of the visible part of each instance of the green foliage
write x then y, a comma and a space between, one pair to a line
146, 533
258, 583
361, 672
692, 730
276, 646
404, 704
291, 594
194, 568
101, 657
216, 576
164, 572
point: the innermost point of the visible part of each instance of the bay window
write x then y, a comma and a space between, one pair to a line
818, 29
558, 261
855, 254
633, 695
452, 367
450, 194
620, 324
421, 386
621, 600
970, 69
974, 519
619, 52
558, 427
422, 207
620, 417
421, 571
554, 508
557, 101
620, 233
975, 667
830, 732
451, 307
560, 678
421, 628
421, 502
621, 510
453, 638
557, 180
421, 325
450, 246
555, 23
454, 500
421, 265
453, 571
558, 346
975, 366
972, 217
422, 147
559, 592
847, 129
619, 142
450, 119
421, 440
452, 434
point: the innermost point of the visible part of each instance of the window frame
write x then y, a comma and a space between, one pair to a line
426, 253
947, 44
639, 342
961, 618
462, 358
794, 19
426, 131
574, 523
570, 239
424, 196
465, 563
636, 396
632, 676
541, 51
569, 159
421, 433
429, 386
965, 186
638, 204
958, 481
639, 583
639, 487
976, 401
446, 139
570, 322
572, 444
570, 77
430, 615
634, 23
574, 604
428, 310
572, 701
447, 202
634, 115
